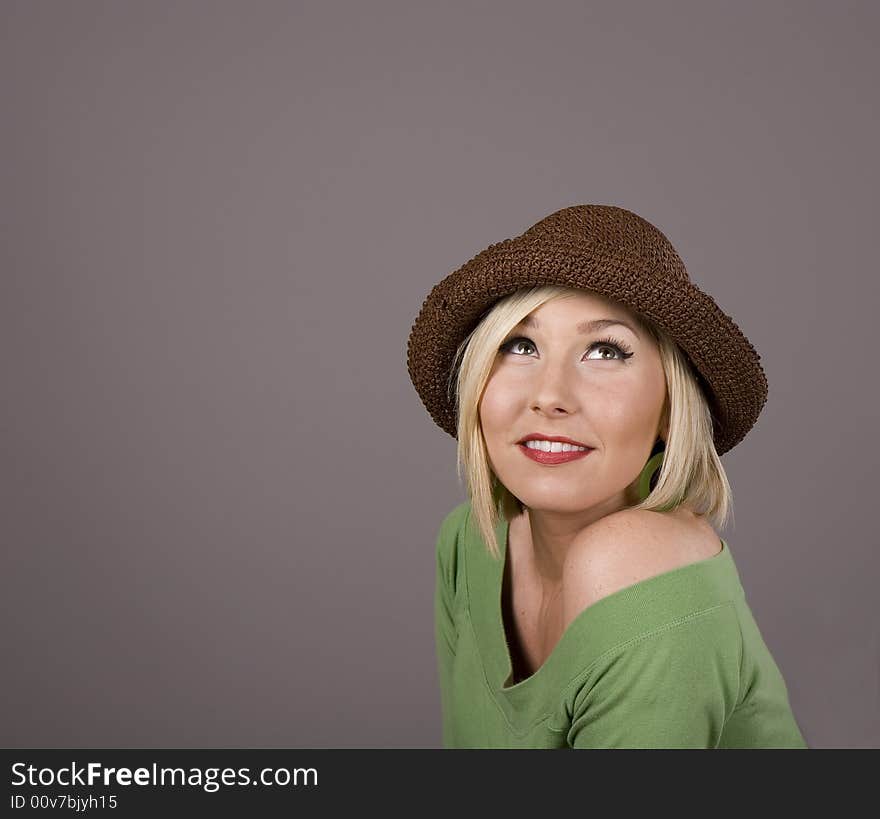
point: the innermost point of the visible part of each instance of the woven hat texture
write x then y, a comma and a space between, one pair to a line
618, 254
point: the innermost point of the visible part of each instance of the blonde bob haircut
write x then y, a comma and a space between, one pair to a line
691, 472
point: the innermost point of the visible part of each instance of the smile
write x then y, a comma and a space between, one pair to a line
564, 454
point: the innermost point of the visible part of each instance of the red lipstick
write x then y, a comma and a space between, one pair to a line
550, 458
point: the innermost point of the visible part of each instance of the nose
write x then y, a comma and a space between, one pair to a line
553, 394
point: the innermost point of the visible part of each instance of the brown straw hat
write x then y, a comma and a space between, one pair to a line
620, 255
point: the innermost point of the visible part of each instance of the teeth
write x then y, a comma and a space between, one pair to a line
554, 446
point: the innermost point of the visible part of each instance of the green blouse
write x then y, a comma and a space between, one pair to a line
674, 661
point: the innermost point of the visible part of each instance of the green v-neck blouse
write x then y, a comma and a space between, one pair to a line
673, 661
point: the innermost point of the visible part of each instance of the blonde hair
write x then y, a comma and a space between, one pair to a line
691, 472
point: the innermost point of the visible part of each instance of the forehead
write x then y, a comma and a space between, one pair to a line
579, 305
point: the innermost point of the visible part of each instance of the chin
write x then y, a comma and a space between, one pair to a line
552, 502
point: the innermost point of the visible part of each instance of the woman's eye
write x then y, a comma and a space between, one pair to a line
515, 346
516, 342
613, 348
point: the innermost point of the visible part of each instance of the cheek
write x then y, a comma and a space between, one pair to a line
628, 405
619, 413
497, 405
625, 420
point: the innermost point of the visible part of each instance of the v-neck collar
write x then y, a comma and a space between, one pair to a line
602, 625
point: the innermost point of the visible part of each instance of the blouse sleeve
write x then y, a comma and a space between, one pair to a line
672, 687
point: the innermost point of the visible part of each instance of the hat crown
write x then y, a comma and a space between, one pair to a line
612, 233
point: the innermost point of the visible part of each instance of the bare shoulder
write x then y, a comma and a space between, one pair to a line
628, 547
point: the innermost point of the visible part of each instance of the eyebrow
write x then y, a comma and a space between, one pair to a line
585, 327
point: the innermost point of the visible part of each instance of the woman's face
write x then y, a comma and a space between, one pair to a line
554, 377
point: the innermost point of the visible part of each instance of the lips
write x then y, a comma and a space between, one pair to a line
551, 458
562, 439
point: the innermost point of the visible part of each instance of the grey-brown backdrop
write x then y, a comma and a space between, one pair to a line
220, 491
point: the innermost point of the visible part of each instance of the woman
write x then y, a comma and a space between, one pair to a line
583, 597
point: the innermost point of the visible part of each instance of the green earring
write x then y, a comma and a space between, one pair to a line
647, 474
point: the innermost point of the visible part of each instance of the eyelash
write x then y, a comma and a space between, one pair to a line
610, 342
